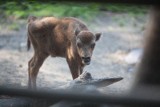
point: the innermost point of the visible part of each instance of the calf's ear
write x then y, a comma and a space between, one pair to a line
76, 32
98, 35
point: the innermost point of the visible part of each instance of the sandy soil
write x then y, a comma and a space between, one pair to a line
121, 34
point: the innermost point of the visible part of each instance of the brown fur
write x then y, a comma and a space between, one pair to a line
58, 38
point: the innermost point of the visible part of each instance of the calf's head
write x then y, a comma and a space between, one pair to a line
85, 43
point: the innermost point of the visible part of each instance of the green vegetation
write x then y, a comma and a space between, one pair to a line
132, 9
10, 11
85, 11
24, 9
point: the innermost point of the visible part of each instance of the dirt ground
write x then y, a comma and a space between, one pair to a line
121, 34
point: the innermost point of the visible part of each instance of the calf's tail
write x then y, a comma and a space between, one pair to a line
28, 43
30, 19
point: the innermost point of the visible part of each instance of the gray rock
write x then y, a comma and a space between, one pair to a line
134, 56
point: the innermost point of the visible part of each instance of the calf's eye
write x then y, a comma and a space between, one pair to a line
93, 45
79, 45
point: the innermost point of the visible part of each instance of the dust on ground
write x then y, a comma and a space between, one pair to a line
121, 34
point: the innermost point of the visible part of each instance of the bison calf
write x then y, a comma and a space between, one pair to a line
66, 37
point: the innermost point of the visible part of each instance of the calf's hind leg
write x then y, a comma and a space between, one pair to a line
33, 68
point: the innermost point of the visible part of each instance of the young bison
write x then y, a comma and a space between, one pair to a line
66, 37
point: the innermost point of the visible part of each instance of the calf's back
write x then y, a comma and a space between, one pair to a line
53, 36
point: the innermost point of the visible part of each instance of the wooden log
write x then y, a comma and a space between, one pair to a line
84, 82
86, 79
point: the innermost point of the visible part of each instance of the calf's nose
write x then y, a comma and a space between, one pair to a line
86, 59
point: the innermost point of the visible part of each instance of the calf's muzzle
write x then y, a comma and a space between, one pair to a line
86, 60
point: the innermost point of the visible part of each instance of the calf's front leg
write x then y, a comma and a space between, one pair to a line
74, 67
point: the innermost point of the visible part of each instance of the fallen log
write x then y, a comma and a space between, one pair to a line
86, 79
84, 83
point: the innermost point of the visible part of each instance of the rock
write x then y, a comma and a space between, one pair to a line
134, 56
